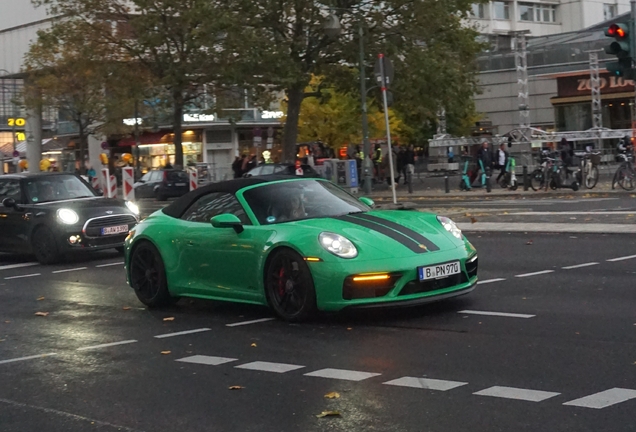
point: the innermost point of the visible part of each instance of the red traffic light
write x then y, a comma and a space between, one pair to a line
617, 31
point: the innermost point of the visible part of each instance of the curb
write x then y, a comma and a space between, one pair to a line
566, 228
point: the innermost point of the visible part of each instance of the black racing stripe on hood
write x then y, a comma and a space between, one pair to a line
401, 229
398, 237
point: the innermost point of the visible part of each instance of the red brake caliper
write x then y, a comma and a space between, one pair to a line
281, 282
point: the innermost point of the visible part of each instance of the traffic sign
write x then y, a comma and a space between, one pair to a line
388, 70
104, 145
16, 153
16, 121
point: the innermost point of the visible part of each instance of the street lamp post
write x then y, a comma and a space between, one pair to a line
333, 29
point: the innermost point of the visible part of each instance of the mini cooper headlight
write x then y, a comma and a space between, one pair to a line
450, 226
338, 245
133, 207
67, 216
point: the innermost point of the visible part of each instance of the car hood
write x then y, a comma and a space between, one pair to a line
87, 208
389, 233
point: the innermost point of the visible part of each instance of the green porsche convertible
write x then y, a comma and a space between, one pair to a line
297, 245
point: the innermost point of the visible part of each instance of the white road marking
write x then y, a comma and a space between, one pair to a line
69, 270
490, 281
622, 258
535, 273
106, 345
604, 399
110, 264
501, 314
572, 213
23, 276
517, 393
580, 265
425, 383
181, 333
12, 266
27, 358
269, 367
249, 322
342, 374
206, 360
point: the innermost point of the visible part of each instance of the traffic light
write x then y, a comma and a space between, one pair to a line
623, 48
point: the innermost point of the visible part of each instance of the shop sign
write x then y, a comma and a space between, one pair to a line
581, 85
131, 121
198, 117
272, 114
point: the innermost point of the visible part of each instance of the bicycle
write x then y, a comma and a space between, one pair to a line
537, 177
625, 175
589, 172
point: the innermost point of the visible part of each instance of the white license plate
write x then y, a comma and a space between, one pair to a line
179, 184
115, 230
439, 270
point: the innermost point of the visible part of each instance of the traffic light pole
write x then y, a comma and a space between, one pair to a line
632, 35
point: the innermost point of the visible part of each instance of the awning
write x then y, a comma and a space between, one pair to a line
588, 98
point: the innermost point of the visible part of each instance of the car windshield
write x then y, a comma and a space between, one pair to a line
295, 200
57, 188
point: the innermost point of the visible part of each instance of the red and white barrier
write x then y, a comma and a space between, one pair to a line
104, 180
112, 189
194, 181
128, 181
96, 183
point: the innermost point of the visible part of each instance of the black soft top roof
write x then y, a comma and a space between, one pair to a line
178, 207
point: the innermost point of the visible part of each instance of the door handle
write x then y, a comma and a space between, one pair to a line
190, 243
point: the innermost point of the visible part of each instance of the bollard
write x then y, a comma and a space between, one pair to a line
525, 178
488, 187
446, 184
409, 179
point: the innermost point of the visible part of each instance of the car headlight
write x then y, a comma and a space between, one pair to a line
133, 207
450, 226
67, 216
338, 245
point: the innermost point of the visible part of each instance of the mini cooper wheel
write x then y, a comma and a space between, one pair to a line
148, 276
289, 286
45, 247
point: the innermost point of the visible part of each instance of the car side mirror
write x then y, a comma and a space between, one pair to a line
9, 203
227, 221
367, 201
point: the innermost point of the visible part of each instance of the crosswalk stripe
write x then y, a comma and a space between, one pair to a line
107, 345
604, 399
516, 393
12, 266
425, 383
487, 281
26, 358
206, 360
621, 258
269, 367
342, 374
501, 314
23, 276
535, 273
580, 265
182, 333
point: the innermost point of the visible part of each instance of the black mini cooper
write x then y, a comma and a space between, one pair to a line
51, 214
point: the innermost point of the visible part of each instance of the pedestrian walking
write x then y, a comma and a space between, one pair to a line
409, 164
501, 160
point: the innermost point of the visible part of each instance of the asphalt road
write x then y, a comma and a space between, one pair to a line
547, 341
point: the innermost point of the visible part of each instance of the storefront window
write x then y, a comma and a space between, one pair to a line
575, 117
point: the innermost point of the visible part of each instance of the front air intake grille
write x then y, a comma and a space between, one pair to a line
471, 268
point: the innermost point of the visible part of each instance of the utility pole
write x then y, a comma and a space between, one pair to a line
367, 163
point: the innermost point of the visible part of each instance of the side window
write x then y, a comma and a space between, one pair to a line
10, 189
267, 170
146, 177
156, 176
279, 168
214, 204
256, 171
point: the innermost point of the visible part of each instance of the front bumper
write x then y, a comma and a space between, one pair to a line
330, 277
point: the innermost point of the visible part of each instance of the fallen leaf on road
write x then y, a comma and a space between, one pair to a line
7, 322
253, 345
40, 298
42, 313
587, 219
126, 308
328, 414
332, 395
529, 242
236, 387
165, 352
169, 319
473, 220
505, 212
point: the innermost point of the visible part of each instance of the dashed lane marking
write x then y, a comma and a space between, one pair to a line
69, 270
500, 314
27, 358
106, 345
207, 360
535, 273
342, 374
23, 276
110, 264
12, 266
517, 393
487, 281
580, 266
269, 367
425, 383
181, 333
604, 399
622, 258
249, 322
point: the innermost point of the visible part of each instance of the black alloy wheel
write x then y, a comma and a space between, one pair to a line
536, 179
289, 286
45, 247
148, 276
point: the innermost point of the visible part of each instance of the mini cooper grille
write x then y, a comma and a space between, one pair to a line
93, 227
416, 286
471, 268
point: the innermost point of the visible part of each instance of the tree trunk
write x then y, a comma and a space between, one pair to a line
177, 100
82, 146
294, 100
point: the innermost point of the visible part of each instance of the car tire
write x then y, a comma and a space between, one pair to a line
45, 246
148, 276
289, 286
